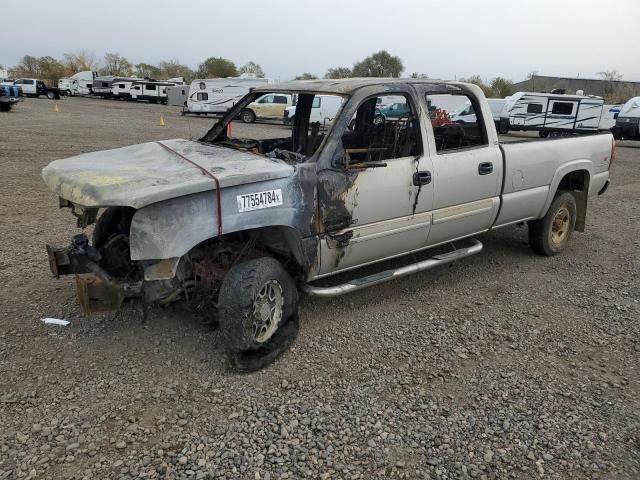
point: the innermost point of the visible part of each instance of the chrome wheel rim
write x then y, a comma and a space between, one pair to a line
267, 311
560, 226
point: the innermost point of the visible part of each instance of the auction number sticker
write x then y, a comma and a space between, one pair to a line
256, 201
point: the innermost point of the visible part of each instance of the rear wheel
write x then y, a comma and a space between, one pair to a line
258, 307
248, 116
550, 235
5, 107
51, 95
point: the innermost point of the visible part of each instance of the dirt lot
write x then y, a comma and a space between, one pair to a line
505, 365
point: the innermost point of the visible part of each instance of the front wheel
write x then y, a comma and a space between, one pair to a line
51, 95
258, 307
248, 116
550, 235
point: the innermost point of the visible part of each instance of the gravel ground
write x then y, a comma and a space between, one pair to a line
504, 365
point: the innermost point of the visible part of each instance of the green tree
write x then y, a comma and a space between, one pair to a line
306, 76
338, 72
380, 64
477, 80
28, 66
116, 65
217, 67
252, 69
51, 70
611, 79
172, 68
501, 87
80, 61
146, 70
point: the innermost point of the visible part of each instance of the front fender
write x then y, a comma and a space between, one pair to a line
171, 228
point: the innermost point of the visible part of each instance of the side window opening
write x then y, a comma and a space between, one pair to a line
202, 86
150, 86
280, 99
457, 122
534, 108
378, 134
562, 108
202, 96
316, 102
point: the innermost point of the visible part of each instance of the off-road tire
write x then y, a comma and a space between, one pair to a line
237, 302
247, 116
544, 237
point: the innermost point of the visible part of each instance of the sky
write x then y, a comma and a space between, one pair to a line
443, 38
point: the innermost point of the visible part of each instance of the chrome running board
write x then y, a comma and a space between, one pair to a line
376, 278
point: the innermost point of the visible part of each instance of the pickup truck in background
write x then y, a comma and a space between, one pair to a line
240, 226
32, 87
271, 106
9, 96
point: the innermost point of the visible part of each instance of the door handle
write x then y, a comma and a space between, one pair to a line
422, 178
485, 168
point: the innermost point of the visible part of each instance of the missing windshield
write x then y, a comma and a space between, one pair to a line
289, 126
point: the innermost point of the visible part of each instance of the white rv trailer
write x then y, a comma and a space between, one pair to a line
628, 120
324, 109
551, 113
150, 90
217, 95
79, 84
121, 89
466, 114
103, 86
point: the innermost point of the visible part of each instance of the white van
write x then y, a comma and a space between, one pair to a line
552, 113
217, 95
323, 110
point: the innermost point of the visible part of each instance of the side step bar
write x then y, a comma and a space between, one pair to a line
376, 278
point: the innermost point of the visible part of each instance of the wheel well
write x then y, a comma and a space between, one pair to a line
577, 183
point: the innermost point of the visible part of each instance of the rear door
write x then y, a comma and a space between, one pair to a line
467, 166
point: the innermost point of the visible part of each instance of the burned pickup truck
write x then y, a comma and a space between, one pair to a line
248, 223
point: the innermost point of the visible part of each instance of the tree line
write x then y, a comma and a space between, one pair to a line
379, 64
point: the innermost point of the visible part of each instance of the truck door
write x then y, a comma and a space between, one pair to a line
375, 197
467, 167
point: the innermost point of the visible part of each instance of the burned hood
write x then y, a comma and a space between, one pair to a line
147, 173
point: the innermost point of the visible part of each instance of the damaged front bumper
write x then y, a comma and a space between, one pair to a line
97, 290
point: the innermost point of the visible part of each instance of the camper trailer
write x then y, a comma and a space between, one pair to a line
121, 89
324, 109
628, 120
217, 95
554, 114
177, 95
79, 84
103, 86
150, 90
466, 114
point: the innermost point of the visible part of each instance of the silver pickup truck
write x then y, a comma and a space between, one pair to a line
239, 226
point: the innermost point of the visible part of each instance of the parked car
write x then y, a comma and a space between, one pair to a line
243, 224
466, 114
394, 111
323, 110
628, 120
32, 87
270, 106
9, 96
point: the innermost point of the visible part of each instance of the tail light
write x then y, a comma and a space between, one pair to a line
613, 152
